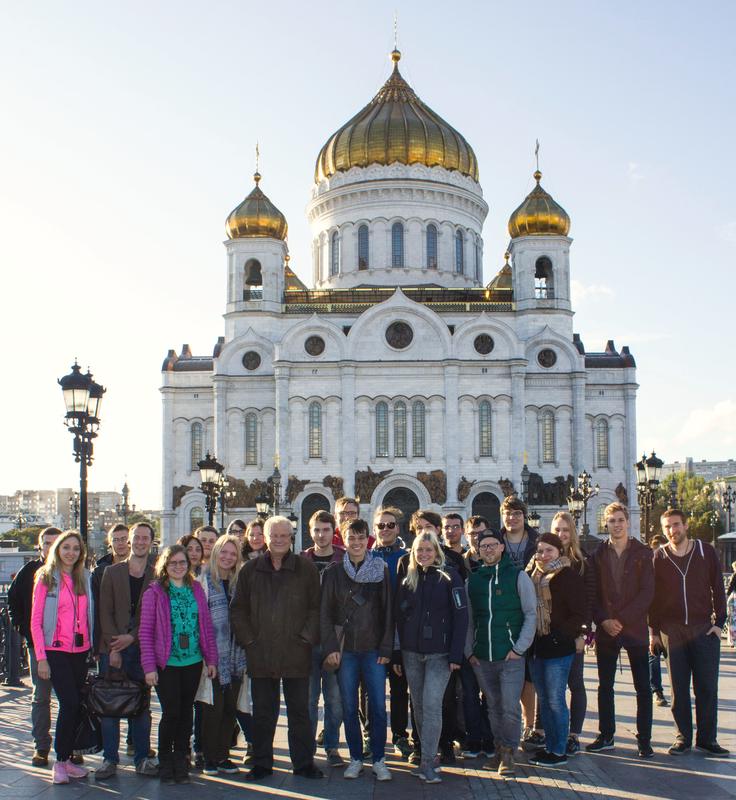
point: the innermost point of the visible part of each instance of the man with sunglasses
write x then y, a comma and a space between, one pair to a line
390, 547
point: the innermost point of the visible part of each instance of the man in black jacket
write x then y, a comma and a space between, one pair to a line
20, 600
624, 592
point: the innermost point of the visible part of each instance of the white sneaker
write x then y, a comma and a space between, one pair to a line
380, 770
354, 768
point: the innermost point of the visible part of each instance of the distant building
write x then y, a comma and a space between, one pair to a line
710, 470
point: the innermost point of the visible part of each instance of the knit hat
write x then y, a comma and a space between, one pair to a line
553, 539
488, 533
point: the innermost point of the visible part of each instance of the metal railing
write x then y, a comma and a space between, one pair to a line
13, 651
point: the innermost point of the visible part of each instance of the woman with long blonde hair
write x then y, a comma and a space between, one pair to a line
431, 615
62, 621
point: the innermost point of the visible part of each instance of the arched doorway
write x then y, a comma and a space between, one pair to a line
310, 504
487, 505
407, 502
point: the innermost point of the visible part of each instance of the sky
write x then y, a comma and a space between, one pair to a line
127, 135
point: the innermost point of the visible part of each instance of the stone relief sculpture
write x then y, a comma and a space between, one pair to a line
294, 487
366, 481
463, 488
436, 484
335, 485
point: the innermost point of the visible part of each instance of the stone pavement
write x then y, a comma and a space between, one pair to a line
613, 774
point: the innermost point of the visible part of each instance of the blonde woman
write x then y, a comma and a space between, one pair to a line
563, 525
62, 621
431, 615
218, 719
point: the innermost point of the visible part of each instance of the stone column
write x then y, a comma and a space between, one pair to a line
281, 456
452, 373
168, 517
578, 424
220, 433
518, 422
627, 469
347, 387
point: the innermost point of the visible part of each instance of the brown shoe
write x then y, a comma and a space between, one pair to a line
40, 758
506, 767
494, 761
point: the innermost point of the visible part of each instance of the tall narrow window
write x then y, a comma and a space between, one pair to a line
196, 519
478, 269
601, 443
543, 279
381, 430
400, 430
363, 247
485, 430
431, 246
251, 439
334, 254
315, 430
197, 436
548, 437
459, 253
397, 245
418, 430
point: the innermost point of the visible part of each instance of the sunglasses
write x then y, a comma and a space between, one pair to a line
383, 525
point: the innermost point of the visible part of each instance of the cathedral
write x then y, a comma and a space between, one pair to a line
398, 377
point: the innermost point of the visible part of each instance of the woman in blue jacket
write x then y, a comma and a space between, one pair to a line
431, 614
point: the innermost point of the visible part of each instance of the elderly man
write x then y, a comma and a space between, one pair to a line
274, 615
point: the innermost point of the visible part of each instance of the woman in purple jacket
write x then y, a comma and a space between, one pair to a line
176, 635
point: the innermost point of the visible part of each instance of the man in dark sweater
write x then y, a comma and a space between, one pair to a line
686, 618
624, 593
20, 600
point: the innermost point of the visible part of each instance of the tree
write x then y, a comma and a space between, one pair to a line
136, 516
696, 498
27, 538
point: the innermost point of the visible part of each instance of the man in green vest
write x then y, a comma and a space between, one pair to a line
502, 607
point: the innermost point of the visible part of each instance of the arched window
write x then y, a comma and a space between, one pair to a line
418, 430
601, 443
334, 254
196, 519
485, 431
197, 443
400, 430
459, 253
381, 430
548, 437
315, 430
431, 246
397, 245
543, 283
251, 439
363, 247
601, 519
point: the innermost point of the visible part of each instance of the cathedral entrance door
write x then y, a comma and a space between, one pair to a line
488, 505
310, 504
407, 502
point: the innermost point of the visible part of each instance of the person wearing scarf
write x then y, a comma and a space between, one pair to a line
357, 633
561, 615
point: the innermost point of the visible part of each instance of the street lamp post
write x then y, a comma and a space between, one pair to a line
525, 483
125, 508
74, 509
729, 496
648, 473
210, 471
268, 503
672, 486
226, 494
577, 501
83, 399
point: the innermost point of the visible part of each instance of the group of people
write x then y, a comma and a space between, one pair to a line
474, 629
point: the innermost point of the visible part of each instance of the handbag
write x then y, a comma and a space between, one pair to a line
114, 694
87, 730
245, 700
205, 690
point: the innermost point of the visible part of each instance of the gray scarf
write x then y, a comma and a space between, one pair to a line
370, 571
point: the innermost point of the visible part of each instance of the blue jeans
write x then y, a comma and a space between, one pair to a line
475, 709
323, 682
140, 726
550, 681
352, 667
655, 673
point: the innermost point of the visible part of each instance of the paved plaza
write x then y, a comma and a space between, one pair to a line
616, 774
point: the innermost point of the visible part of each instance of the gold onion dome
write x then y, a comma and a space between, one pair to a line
504, 279
256, 216
396, 126
539, 215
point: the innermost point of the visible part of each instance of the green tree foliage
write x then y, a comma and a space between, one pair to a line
27, 538
696, 498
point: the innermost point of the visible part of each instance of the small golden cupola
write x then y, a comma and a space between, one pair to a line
396, 126
256, 217
539, 215
503, 280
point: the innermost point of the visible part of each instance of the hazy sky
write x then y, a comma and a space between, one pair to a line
127, 136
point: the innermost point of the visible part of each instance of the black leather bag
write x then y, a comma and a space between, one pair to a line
87, 731
114, 694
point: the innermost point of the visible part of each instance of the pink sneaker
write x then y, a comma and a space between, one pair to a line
60, 775
74, 770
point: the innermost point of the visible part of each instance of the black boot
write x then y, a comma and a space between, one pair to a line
181, 769
166, 768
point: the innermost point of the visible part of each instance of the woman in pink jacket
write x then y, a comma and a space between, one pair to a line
176, 636
61, 624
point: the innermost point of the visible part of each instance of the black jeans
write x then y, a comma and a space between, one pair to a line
218, 721
607, 653
68, 671
399, 704
692, 654
176, 689
578, 696
266, 701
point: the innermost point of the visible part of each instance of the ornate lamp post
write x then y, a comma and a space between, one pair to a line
83, 399
575, 504
74, 509
124, 509
268, 503
672, 486
226, 494
727, 499
533, 520
524, 483
587, 491
648, 474
21, 520
210, 471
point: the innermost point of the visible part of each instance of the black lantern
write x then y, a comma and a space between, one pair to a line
210, 471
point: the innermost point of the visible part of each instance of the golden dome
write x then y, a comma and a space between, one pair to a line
256, 216
504, 279
291, 279
539, 215
396, 126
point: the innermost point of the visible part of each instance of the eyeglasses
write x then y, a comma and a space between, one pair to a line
513, 513
177, 564
452, 527
383, 525
488, 545
351, 514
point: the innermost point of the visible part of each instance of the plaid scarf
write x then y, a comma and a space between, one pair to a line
231, 658
541, 575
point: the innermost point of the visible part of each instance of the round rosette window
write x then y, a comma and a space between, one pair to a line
251, 360
483, 344
547, 358
399, 335
315, 345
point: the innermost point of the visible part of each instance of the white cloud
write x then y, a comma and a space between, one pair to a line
634, 173
727, 232
717, 421
594, 291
